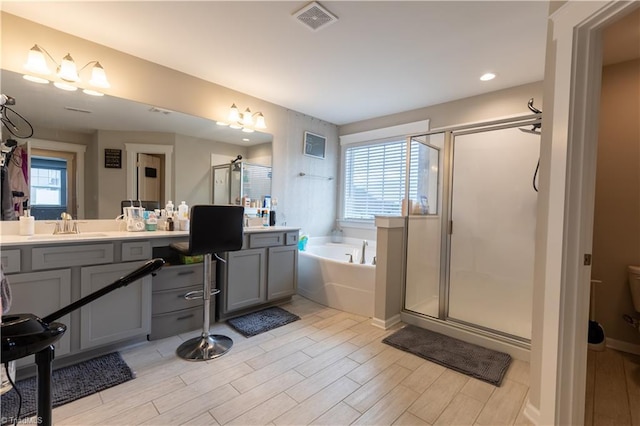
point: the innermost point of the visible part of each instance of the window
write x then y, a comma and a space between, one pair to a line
374, 180
48, 182
375, 171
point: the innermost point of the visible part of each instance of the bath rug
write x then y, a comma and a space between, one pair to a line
68, 384
261, 321
473, 360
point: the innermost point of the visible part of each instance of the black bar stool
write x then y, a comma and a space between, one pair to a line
213, 229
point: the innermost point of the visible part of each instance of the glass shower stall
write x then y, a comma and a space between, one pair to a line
470, 254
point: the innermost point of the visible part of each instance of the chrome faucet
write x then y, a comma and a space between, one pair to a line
364, 244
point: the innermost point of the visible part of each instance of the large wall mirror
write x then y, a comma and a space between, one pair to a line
88, 153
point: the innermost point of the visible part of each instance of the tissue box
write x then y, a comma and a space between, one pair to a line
191, 259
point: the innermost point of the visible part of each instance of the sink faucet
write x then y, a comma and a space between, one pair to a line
364, 244
66, 225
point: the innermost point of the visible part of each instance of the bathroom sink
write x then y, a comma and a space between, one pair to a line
67, 236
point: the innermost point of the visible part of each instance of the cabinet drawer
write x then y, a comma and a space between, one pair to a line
180, 276
177, 322
10, 261
65, 256
266, 239
136, 250
173, 300
291, 238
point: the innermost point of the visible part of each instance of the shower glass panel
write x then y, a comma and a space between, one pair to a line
424, 224
493, 214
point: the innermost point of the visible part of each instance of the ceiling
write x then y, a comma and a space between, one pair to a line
378, 58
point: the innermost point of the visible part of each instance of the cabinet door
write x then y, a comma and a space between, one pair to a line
283, 272
42, 293
245, 285
123, 313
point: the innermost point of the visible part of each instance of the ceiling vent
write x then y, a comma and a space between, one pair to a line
161, 110
315, 16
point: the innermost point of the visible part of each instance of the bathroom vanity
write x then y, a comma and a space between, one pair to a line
47, 272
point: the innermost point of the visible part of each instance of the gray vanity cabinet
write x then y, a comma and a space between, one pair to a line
118, 315
283, 272
246, 283
42, 293
263, 273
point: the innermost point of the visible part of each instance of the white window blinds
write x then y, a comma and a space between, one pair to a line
374, 180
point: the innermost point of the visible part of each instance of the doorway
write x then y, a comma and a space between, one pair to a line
150, 175
164, 179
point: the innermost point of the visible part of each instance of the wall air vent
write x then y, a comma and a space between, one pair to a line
161, 110
314, 16
74, 109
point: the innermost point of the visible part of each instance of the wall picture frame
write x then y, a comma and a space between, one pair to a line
314, 145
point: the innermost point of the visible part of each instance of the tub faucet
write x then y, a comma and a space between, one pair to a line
364, 244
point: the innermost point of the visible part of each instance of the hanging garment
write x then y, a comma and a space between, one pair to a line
19, 179
7, 213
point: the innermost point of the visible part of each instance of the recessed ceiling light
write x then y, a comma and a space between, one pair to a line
488, 76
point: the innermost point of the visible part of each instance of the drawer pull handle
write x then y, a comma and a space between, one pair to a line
197, 294
186, 272
184, 317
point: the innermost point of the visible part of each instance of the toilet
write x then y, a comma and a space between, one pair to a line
634, 282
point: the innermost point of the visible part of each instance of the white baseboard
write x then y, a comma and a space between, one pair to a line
623, 346
385, 324
532, 413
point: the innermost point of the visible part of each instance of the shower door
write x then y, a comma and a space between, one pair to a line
492, 227
423, 209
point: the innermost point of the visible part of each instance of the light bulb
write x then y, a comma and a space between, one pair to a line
260, 124
247, 118
234, 114
68, 71
36, 62
99, 77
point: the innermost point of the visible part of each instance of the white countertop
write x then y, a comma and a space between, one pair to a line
98, 230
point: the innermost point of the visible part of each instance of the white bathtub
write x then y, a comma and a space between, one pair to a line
326, 277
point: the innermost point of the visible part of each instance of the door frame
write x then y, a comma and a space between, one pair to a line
565, 215
132, 150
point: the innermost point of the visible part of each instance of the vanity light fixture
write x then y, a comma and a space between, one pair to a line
66, 71
245, 121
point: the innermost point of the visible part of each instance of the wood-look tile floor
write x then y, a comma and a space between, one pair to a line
612, 389
329, 368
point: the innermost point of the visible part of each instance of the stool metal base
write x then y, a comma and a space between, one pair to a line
204, 347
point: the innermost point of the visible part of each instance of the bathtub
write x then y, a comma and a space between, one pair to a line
326, 277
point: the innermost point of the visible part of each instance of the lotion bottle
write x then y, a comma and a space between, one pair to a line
169, 208
183, 211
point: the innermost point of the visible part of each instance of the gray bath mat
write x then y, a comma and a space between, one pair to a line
68, 384
473, 360
261, 321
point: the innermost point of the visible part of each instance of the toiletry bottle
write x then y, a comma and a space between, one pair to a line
183, 211
169, 208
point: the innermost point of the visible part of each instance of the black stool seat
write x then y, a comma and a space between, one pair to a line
213, 229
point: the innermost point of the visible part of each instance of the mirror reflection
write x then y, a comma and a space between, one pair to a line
79, 153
